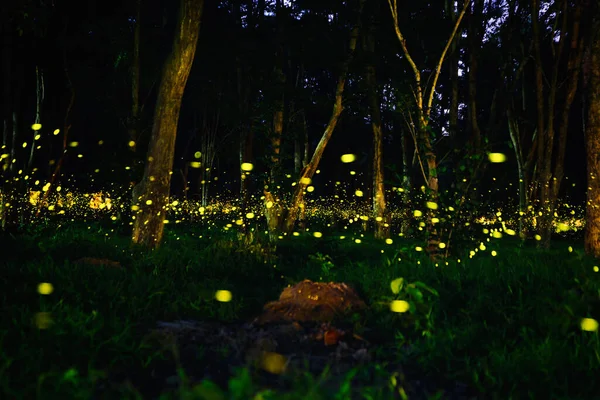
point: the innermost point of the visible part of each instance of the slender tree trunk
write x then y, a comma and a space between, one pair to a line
549, 179
280, 78
513, 129
592, 144
379, 204
39, 95
309, 170
151, 195
454, 65
474, 39
135, 81
424, 101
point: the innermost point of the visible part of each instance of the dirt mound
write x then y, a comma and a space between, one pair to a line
312, 301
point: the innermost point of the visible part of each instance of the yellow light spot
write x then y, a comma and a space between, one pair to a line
497, 234
431, 205
357, 241
418, 248
589, 324
250, 215
247, 166
174, 203
570, 249
399, 306
310, 189
45, 288
317, 234
352, 172
224, 296
135, 208
269, 204
195, 164
596, 269
389, 241
442, 245
358, 193
131, 143
295, 234
56, 132
75, 144
348, 158
562, 227
148, 202
481, 246
273, 363
37, 137
538, 237
417, 213
36, 127
494, 254
497, 157
305, 181
24, 144
197, 154
239, 222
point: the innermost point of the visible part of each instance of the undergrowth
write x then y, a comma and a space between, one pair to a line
508, 325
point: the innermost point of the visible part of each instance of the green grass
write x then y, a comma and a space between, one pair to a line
507, 326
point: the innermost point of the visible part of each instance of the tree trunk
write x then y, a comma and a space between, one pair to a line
548, 179
135, 81
279, 78
454, 65
288, 218
379, 204
424, 100
592, 144
151, 195
474, 39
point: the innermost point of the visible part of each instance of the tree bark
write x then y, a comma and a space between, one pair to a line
279, 78
135, 81
151, 195
379, 204
309, 170
548, 179
592, 144
454, 65
424, 101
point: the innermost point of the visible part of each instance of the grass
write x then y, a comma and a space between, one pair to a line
508, 326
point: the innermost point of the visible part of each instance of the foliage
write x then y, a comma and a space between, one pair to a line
496, 323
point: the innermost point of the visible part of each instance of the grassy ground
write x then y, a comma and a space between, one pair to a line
508, 326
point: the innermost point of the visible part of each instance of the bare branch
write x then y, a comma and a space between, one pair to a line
443, 55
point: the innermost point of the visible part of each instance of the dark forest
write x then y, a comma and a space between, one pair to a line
300, 199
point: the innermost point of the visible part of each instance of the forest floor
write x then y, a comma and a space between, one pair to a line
85, 315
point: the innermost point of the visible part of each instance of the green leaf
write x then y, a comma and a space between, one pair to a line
396, 285
425, 287
208, 390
